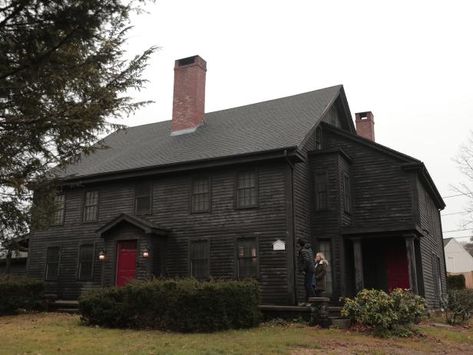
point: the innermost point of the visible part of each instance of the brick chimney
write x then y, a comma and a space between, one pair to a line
189, 95
365, 124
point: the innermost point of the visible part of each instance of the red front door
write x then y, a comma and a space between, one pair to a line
397, 268
126, 262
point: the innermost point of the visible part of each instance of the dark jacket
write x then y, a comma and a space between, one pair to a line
319, 275
306, 259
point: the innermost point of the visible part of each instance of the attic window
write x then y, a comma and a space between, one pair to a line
186, 61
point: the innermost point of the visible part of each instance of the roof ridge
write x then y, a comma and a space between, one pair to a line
247, 105
277, 99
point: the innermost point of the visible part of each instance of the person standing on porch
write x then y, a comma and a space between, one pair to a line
319, 273
306, 266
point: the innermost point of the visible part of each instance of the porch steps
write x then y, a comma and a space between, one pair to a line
295, 312
64, 306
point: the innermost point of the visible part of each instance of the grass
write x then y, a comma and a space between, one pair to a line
51, 333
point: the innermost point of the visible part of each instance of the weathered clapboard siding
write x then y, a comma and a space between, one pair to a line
431, 243
381, 196
222, 227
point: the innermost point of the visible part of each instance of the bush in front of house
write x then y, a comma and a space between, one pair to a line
20, 293
459, 306
184, 305
456, 282
391, 314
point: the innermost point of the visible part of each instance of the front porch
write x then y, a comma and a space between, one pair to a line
383, 262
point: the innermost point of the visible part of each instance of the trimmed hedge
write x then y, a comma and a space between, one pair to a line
391, 314
20, 293
456, 282
185, 305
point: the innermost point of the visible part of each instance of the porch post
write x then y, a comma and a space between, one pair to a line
358, 258
411, 262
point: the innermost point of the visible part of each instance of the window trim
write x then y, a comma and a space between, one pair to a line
91, 276
135, 197
237, 258
209, 181
347, 206
61, 222
237, 174
84, 206
189, 259
325, 174
46, 264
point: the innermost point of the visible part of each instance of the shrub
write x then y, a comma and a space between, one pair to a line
184, 305
386, 314
456, 282
20, 293
459, 306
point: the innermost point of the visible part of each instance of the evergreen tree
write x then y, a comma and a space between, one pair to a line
63, 73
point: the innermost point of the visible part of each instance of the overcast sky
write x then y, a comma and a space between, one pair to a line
409, 62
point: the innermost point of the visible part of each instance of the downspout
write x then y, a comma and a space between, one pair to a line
293, 224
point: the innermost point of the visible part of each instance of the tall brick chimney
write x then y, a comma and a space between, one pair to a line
365, 124
189, 95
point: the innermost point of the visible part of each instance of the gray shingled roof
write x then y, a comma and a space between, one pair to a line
264, 126
446, 241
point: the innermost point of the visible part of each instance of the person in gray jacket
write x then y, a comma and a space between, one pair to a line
306, 266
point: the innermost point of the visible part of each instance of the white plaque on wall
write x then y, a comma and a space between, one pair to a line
279, 245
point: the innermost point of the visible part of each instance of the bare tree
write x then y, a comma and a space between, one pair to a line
464, 161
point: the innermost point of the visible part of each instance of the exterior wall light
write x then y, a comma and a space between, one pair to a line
146, 253
102, 255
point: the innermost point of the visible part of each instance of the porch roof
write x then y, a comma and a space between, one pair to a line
147, 226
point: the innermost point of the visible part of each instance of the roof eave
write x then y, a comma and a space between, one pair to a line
281, 153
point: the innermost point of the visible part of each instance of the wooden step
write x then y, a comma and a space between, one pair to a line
67, 310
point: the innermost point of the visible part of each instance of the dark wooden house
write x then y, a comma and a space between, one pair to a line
226, 194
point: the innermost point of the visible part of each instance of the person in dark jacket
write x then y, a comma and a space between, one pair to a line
319, 273
306, 266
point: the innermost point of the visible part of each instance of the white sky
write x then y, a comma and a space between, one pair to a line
409, 62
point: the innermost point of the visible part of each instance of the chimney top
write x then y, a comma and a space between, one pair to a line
189, 95
365, 124
191, 60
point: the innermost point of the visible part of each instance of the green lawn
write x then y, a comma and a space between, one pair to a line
50, 333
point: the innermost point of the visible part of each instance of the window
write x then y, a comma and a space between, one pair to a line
321, 191
346, 193
246, 189
201, 195
318, 138
143, 198
325, 248
199, 259
52, 264
58, 217
247, 258
91, 202
86, 262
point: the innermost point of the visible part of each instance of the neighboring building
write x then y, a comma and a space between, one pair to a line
14, 257
457, 258
226, 194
